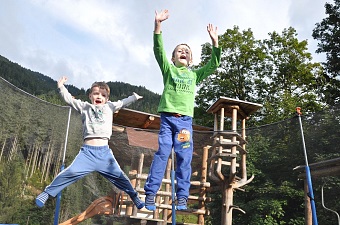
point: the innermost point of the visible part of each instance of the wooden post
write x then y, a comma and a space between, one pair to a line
227, 202
244, 156
137, 181
202, 193
167, 212
219, 160
227, 215
308, 210
133, 171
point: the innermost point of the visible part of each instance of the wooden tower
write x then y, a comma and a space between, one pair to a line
228, 152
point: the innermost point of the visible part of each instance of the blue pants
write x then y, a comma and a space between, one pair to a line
89, 159
175, 132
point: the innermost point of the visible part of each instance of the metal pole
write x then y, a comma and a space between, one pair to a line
323, 204
57, 207
173, 187
308, 174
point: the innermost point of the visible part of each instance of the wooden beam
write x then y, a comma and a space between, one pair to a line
148, 122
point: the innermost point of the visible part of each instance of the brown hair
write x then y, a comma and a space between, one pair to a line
101, 85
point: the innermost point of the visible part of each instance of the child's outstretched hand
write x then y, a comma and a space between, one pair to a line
161, 16
62, 81
137, 96
213, 34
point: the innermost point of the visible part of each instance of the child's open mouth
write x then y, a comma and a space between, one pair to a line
98, 101
183, 57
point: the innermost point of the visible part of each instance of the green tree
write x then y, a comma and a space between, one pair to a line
327, 32
291, 78
237, 74
276, 72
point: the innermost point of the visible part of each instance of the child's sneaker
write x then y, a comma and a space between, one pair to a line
181, 204
136, 200
150, 202
41, 199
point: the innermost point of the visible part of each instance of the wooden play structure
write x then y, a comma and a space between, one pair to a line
226, 168
228, 152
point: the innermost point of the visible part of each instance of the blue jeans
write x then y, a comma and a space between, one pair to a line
90, 159
175, 132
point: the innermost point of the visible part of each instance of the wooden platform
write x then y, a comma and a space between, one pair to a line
137, 119
245, 108
321, 169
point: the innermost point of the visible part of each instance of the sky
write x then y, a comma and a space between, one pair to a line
111, 40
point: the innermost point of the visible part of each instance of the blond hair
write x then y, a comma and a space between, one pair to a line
174, 51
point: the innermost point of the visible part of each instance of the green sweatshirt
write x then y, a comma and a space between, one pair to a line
180, 82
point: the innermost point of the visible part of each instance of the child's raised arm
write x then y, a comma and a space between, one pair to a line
159, 18
62, 81
213, 34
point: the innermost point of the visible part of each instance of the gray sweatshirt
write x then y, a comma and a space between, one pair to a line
97, 119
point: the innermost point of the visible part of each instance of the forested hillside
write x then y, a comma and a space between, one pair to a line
32, 82
45, 87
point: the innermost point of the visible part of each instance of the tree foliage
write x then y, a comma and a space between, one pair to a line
327, 32
237, 74
276, 72
290, 78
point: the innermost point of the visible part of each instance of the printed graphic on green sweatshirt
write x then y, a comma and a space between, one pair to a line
182, 83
